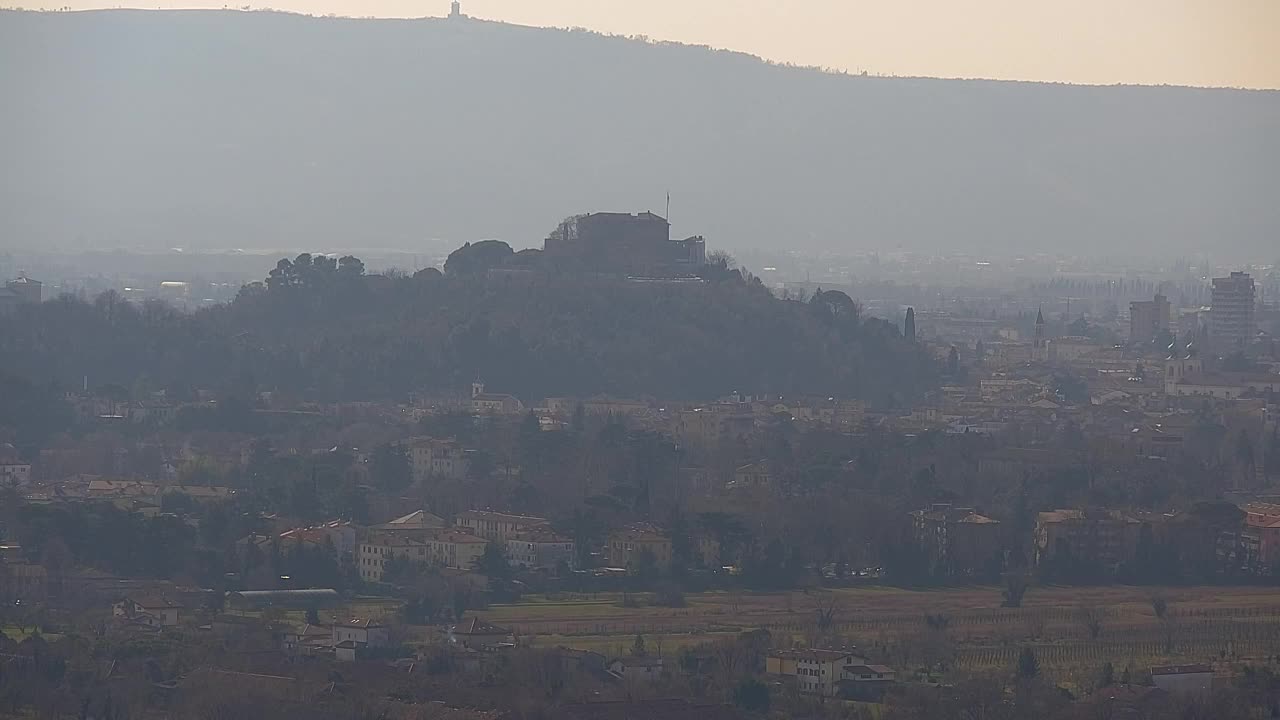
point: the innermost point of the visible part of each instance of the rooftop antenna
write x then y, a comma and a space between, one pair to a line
668, 207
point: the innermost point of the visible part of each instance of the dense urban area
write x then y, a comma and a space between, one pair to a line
624, 477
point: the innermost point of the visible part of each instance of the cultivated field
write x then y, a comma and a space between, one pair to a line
1073, 630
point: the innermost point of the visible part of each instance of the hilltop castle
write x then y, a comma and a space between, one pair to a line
638, 244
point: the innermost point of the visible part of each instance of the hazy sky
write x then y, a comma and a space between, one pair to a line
1185, 42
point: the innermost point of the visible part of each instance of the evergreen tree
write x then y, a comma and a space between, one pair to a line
1028, 665
752, 695
390, 468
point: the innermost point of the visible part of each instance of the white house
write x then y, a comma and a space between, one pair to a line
636, 669
362, 632
540, 549
816, 672
152, 611
14, 474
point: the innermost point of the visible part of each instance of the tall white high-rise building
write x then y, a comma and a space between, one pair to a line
1232, 321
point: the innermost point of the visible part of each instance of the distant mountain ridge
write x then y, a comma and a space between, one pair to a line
217, 129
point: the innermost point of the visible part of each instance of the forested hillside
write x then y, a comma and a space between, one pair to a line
263, 130
325, 330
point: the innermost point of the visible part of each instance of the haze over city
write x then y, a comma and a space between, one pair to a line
620, 360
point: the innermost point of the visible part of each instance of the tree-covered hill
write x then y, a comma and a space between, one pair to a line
322, 329
207, 129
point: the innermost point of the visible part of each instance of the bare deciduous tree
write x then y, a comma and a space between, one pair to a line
1090, 617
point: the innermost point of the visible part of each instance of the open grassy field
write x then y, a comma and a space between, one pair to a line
18, 634
1072, 629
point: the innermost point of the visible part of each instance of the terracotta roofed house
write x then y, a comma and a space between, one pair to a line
632, 546
496, 525
814, 671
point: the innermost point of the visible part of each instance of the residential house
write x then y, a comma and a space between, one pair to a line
636, 669
865, 683
363, 632
440, 547
497, 526
752, 476
476, 634
845, 414
307, 640
957, 541
151, 611
340, 534
101, 489
707, 428
815, 672
380, 548
1107, 538
26, 289
541, 549
430, 457
454, 549
1255, 546
415, 523
635, 545
154, 412
14, 472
